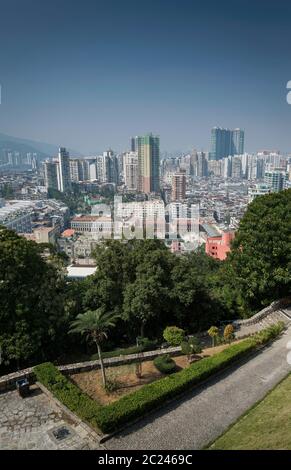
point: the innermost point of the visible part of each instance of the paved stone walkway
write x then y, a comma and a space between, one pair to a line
28, 423
204, 414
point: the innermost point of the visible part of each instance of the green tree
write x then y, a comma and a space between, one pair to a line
258, 269
213, 333
190, 347
174, 335
141, 302
95, 325
32, 302
193, 299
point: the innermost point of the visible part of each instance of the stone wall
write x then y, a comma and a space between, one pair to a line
8, 382
273, 307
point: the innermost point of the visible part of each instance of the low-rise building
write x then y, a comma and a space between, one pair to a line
97, 226
219, 246
80, 272
17, 216
46, 234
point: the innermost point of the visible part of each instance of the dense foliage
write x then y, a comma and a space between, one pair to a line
32, 301
149, 287
258, 269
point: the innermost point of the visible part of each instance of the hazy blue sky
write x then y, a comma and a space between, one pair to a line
89, 74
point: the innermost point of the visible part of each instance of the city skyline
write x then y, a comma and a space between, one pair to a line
88, 78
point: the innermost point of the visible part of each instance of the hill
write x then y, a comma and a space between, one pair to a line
17, 144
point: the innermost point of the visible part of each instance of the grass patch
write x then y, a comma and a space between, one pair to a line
266, 426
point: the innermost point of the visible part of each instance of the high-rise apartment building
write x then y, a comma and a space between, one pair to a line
215, 167
201, 164
132, 144
275, 179
226, 142
179, 186
64, 170
226, 167
259, 190
236, 167
107, 167
84, 170
130, 166
237, 142
51, 172
148, 150
74, 169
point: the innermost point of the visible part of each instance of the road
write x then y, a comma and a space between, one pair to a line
204, 414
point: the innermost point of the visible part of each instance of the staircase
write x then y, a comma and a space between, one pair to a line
266, 317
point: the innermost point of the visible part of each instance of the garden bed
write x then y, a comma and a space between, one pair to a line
125, 378
149, 397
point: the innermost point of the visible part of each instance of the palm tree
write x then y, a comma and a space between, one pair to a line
95, 325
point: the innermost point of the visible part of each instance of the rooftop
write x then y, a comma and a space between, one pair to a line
80, 271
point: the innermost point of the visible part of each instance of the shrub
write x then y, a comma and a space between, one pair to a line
228, 333
147, 344
165, 364
174, 335
269, 333
112, 385
219, 340
192, 346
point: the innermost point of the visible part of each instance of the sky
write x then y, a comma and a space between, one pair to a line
89, 74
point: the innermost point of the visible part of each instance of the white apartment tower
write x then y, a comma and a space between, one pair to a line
130, 165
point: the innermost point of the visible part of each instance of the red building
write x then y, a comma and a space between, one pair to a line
219, 246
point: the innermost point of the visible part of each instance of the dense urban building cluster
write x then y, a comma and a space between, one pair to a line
187, 200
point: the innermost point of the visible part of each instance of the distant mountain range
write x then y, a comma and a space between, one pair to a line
24, 146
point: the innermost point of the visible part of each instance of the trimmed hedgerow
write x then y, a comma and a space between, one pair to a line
115, 415
145, 345
65, 391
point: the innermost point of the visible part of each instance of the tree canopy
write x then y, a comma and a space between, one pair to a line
31, 299
258, 269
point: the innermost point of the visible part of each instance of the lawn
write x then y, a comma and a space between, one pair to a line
265, 426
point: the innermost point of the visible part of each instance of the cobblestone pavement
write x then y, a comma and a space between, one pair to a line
28, 423
206, 412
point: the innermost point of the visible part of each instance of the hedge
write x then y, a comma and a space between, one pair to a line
68, 393
115, 415
165, 364
148, 345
